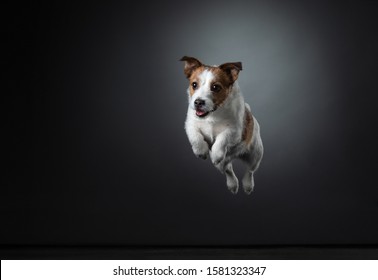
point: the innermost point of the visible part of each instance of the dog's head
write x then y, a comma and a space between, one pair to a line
209, 86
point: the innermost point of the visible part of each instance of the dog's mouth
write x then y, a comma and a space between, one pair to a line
201, 113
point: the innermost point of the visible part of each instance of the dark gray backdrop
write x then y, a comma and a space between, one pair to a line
95, 109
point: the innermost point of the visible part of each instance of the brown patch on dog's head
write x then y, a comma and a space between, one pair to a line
194, 78
224, 77
232, 69
220, 86
191, 64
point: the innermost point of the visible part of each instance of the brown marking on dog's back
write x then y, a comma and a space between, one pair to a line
248, 127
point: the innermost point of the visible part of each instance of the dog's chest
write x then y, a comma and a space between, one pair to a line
210, 131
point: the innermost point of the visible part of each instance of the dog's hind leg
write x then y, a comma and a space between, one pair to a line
252, 159
248, 181
232, 180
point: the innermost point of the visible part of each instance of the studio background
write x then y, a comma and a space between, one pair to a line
95, 104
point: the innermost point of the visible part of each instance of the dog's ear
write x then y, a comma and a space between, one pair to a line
191, 64
232, 69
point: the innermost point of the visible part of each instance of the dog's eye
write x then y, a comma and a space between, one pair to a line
194, 85
216, 88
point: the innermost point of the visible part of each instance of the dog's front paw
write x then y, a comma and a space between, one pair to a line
201, 151
218, 159
202, 156
221, 166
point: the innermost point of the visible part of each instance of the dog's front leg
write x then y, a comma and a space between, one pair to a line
199, 145
219, 150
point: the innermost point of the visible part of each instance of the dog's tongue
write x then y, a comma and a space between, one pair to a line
200, 112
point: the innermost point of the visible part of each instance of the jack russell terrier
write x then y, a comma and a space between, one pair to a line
219, 123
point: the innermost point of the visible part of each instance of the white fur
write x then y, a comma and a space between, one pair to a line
219, 134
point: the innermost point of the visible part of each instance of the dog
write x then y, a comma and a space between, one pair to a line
219, 123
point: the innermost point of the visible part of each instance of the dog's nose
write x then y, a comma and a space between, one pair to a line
199, 102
